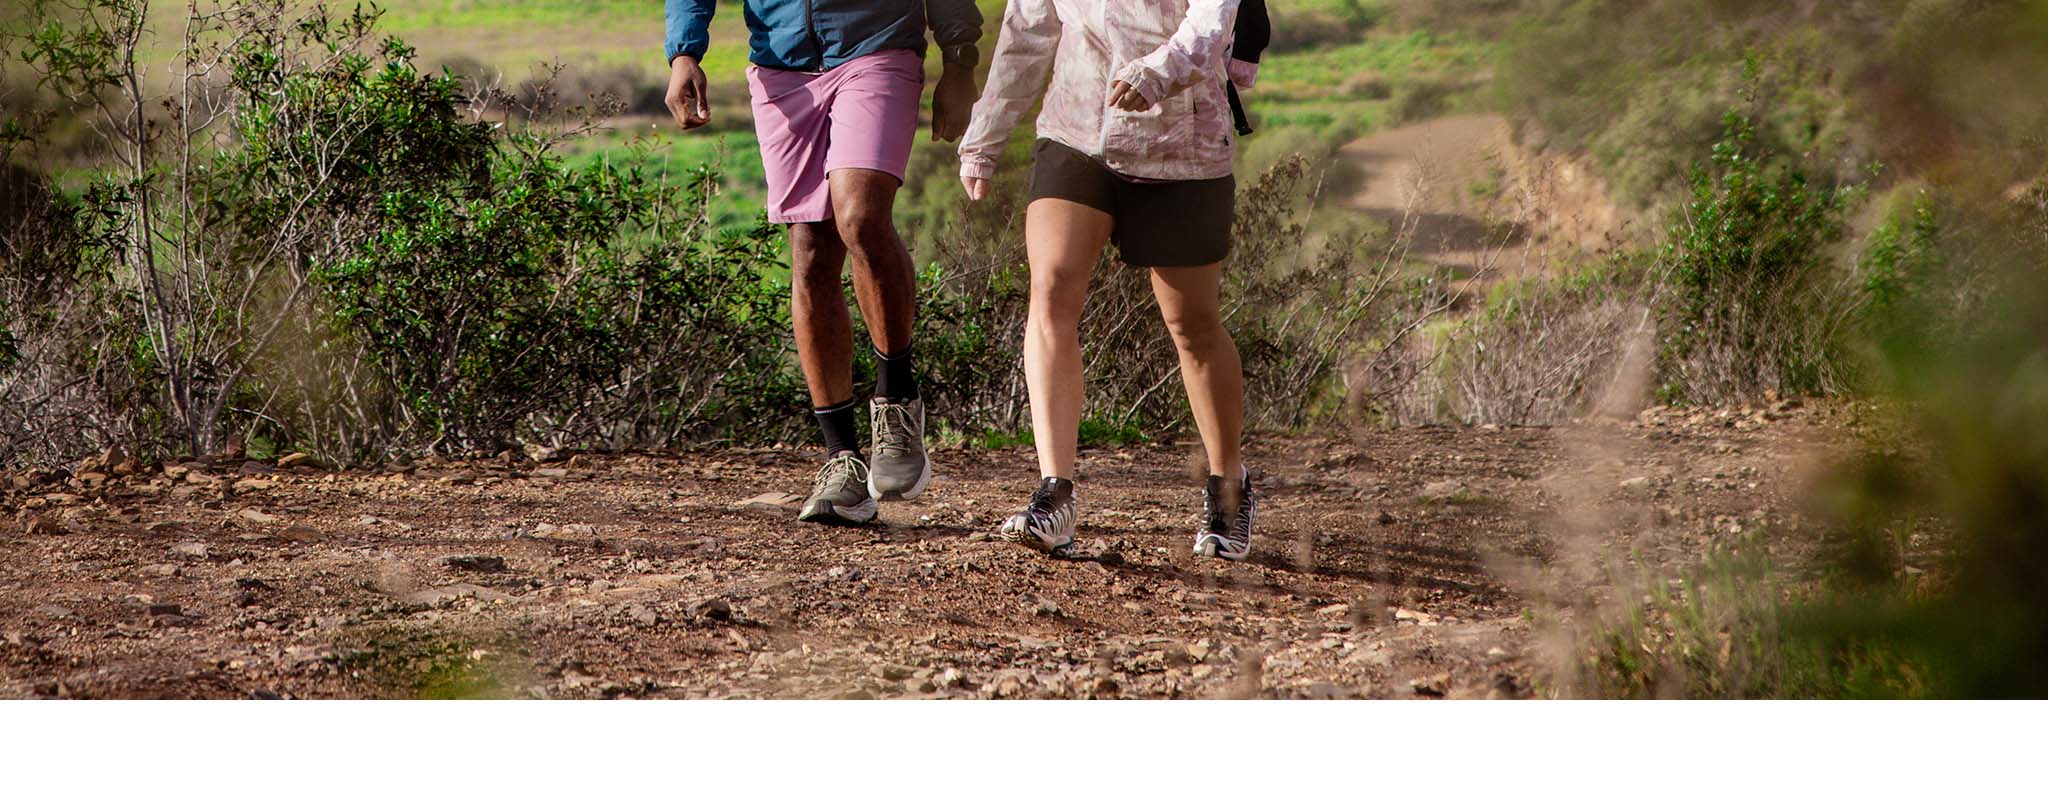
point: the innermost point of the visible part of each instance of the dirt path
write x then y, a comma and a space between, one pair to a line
1475, 200
1379, 572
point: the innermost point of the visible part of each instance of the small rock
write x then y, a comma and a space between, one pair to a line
161, 570
542, 454
475, 563
1636, 484
1436, 685
38, 525
165, 610
191, 549
893, 672
1338, 610
772, 501
576, 531
1198, 650
258, 517
551, 472
1440, 491
443, 594
1387, 518
1417, 617
1046, 608
712, 610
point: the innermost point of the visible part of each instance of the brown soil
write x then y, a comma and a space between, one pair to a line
1475, 201
1382, 569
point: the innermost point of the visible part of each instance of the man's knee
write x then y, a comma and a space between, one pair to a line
862, 201
867, 230
814, 253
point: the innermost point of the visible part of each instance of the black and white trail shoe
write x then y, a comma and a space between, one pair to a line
1227, 514
1047, 522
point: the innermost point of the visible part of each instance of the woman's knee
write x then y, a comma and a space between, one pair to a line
1195, 331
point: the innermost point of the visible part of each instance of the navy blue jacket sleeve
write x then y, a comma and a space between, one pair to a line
689, 27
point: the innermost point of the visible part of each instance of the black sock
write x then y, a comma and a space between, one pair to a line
836, 422
897, 379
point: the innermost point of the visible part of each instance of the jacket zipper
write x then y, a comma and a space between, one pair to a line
817, 43
1102, 131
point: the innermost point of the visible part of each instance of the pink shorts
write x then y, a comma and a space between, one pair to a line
859, 115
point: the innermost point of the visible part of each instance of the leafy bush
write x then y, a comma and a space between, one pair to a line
330, 250
1750, 306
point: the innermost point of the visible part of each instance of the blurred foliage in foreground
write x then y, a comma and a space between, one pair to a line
1930, 580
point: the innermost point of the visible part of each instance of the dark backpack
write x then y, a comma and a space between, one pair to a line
1254, 32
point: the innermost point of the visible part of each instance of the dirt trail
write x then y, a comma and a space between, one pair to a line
1475, 200
1380, 571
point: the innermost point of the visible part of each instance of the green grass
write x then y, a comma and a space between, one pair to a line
1371, 84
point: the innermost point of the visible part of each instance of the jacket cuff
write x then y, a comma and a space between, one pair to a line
693, 51
1143, 80
977, 166
1244, 73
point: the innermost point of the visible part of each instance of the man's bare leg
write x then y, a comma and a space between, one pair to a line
886, 285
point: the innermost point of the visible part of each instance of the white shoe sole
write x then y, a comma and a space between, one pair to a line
1010, 533
1212, 547
861, 514
924, 479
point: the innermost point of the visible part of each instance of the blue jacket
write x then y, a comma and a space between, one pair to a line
817, 35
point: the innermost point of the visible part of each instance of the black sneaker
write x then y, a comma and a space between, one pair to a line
1047, 522
1227, 514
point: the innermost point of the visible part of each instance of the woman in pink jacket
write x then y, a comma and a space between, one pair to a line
1135, 146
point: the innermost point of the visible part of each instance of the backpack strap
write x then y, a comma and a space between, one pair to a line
1253, 31
1244, 124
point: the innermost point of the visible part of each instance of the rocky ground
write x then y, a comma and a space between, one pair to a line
1407, 563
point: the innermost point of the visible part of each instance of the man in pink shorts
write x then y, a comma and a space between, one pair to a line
835, 86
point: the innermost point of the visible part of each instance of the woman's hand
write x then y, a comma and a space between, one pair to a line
1122, 96
977, 188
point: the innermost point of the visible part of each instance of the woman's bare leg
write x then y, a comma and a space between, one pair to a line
1190, 301
1062, 239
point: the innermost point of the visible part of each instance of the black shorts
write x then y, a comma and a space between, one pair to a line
1162, 224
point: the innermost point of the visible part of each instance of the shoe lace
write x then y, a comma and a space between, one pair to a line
1217, 519
1213, 518
894, 433
1043, 500
839, 470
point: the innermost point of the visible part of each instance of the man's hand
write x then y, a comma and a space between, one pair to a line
977, 188
1122, 96
686, 98
952, 100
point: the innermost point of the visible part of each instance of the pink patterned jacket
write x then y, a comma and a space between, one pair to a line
1174, 52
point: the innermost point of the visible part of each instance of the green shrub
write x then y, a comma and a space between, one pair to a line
1749, 307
